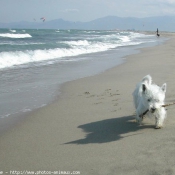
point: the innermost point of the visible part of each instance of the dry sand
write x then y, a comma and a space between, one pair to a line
91, 128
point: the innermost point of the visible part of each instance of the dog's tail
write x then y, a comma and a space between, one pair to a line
147, 79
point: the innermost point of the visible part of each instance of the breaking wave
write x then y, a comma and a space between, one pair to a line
12, 35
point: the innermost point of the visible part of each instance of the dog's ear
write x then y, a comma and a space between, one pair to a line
163, 88
144, 87
147, 79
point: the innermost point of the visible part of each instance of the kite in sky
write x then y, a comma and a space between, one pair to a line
43, 19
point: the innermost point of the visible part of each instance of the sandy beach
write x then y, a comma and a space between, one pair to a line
91, 130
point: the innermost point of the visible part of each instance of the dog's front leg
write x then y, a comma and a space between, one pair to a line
160, 117
139, 117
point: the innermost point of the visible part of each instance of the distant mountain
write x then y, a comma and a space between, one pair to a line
164, 23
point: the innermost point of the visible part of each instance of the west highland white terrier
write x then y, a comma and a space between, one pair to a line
148, 100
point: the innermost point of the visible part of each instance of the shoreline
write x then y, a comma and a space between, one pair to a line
91, 127
41, 85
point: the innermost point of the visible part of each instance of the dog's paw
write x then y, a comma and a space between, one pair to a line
158, 127
139, 120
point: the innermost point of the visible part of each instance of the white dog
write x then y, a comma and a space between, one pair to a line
148, 100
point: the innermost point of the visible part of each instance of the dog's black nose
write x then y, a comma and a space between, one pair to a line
153, 110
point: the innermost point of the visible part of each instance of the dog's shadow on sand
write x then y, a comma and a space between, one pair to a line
109, 130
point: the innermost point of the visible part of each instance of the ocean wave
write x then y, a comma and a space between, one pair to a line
77, 43
10, 35
9, 59
110, 41
20, 44
12, 31
60, 46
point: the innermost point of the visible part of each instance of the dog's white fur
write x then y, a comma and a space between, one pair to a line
148, 96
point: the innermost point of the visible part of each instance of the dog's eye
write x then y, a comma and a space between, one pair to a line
149, 100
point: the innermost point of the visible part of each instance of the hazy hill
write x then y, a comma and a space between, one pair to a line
164, 23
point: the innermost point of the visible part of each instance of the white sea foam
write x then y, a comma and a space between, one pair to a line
12, 31
124, 38
13, 43
11, 35
9, 59
77, 43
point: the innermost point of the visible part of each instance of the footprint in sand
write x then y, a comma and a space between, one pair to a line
114, 111
108, 90
115, 100
87, 93
113, 94
116, 104
90, 96
98, 103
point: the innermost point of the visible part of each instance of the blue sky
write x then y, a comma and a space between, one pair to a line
82, 10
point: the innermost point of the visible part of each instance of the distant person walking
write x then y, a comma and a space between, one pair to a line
158, 32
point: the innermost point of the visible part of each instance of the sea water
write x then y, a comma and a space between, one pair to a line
34, 63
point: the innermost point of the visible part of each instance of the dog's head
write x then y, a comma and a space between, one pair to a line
153, 95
